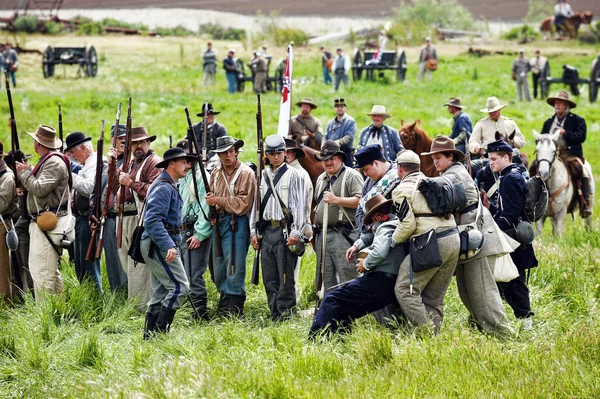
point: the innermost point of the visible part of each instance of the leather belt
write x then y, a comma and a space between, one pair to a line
468, 209
130, 213
446, 233
336, 226
274, 223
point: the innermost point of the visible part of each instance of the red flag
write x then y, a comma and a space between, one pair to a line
285, 109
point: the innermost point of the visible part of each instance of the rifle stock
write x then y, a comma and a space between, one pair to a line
213, 211
18, 156
259, 168
125, 169
90, 255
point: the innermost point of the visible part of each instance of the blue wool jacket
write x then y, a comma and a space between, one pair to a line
389, 138
461, 121
512, 191
163, 211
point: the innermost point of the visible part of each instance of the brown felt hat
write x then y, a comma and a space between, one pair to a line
329, 149
46, 136
293, 145
561, 95
140, 133
444, 144
307, 100
454, 102
374, 204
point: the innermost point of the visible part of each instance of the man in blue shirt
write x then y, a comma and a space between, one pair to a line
378, 133
161, 240
231, 72
342, 130
462, 121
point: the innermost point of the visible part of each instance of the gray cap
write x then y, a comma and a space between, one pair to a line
274, 143
408, 156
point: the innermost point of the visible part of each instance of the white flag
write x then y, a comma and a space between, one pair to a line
285, 109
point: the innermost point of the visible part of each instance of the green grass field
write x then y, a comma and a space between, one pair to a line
82, 344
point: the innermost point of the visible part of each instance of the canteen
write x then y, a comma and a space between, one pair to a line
12, 241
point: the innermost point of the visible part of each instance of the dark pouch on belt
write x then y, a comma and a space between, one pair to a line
424, 252
135, 250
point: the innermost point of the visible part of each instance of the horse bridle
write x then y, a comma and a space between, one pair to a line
550, 162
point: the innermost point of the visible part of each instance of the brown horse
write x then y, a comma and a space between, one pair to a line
571, 27
416, 139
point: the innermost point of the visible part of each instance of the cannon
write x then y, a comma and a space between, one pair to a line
570, 77
389, 60
85, 57
274, 83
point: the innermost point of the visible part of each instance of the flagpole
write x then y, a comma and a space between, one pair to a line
285, 106
290, 51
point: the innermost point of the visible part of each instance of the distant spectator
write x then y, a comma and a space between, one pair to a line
520, 69
210, 65
427, 60
11, 62
326, 62
341, 65
538, 63
231, 71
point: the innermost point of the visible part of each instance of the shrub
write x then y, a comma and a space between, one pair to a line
218, 32
521, 33
179, 30
282, 35
26, 23
53, 28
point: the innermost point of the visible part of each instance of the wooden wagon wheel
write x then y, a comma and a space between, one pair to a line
357, 68
401, 71
279, 76
47, 62
545, 80
595, 80
241, 75
91, 66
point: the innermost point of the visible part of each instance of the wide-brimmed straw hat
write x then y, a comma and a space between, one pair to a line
46, 136
454, 102
307, 100
375, 203
293, 145
173, 154
329, 149
445, 144
140, 133
224, 143
492, 105
561, 95
379, 110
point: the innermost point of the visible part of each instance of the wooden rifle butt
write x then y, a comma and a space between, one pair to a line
256, 268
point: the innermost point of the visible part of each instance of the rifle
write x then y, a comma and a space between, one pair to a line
125, 169
259, 168
112, 169
170, 141
18, 156
323, 254
60, 128
90, 255
193, 140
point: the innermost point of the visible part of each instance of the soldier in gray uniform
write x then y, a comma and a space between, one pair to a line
209, 58
214, 130
520, 69
11, 60
258, 64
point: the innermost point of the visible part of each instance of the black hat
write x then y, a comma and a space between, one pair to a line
339, 101
121, 132
329, 149
499, 146
293, 145
211, 110
173, 154
185, 145
74, 139
367, 155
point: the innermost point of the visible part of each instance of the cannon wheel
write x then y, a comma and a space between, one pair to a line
544, 80
595, 81
91, 67
47, 58
357, 69
279, 76
402, 67
241, 75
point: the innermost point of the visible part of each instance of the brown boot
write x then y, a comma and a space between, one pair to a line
586, 198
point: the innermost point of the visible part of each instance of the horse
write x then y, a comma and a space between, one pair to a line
313, 167
561, 190
572, 24
416, 139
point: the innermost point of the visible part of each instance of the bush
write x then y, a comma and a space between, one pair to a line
523, 33
218, 32
26, 23
282, 35
179, 30
53, 28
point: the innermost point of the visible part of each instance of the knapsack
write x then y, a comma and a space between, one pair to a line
444, 194
536, 199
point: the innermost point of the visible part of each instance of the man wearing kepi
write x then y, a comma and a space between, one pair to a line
283, 212
375, 289
8, 211
47, 187
232, 188
342, 130
161, 240
79, 147
339, 189
420, 293
134, 184
474, 276
195, 246
572, 129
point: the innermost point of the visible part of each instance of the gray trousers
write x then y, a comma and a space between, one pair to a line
523, 86
336, 264
138, 276
425, 306
168, 280
340, 77
479, 293
22, 230
278, 265
117, 279
195, 262
209, 78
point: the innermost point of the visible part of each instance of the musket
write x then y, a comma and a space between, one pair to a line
125, 169
259, 168
323, 254
18, 156
193, 140
170, 141
112, 169
95, 217
60, 128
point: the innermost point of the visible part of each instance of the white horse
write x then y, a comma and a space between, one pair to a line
558, 181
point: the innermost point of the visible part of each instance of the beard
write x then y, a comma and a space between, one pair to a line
139, 153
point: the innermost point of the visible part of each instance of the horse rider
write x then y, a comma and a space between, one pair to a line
214, 130
562, 11
342, 130
461, 122
383, 135
572, 129
485, 129
304, 127
508, 213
